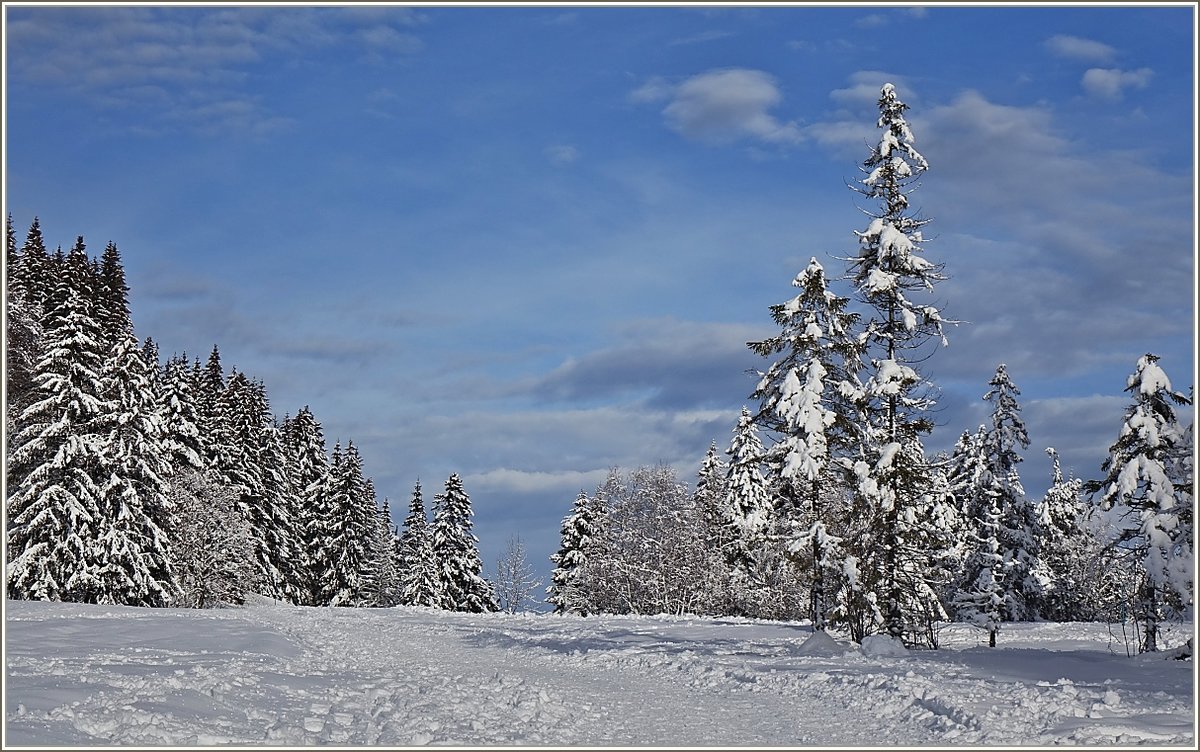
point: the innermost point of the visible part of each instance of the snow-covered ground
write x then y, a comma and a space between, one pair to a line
283, 676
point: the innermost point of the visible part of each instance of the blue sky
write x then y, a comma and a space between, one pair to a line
527, 244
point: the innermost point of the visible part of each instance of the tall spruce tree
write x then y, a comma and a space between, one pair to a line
890, 477
456, 551
309, 470
132, 544
23, 329
809, 398
54, 506
112, 295
1152, 506
1025, 574
354, 519
420, 579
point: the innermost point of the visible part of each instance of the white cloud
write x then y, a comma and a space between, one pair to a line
722, 106
1078, 48
656, 89
704, 36
1111, 83
199, 62
873, 21
561, 155
864, 89
534, 481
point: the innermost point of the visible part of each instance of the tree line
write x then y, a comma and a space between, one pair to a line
140, 482
829, 506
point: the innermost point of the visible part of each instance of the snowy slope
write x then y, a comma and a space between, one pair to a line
281, 675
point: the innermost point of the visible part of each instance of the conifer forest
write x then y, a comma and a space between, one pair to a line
141, 478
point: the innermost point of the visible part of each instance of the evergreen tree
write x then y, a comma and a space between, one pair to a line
34, 274
180, 418
984, 599
54, 503
250, 458
309, 471
382, 583
209, 384
112, 296
809, 401
750, 511
354, 519
712, 499
889, 477
420, 579
23, 330
456, 551
132, 546
1152, 506
1025, 575
1077, 577
567, 592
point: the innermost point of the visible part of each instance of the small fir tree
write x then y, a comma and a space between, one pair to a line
420, 580
1152, 508
456, 552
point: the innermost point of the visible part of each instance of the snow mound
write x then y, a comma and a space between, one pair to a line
821, 644
883, 646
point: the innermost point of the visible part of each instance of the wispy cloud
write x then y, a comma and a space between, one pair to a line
195, 68
1078, 48
700, 38
663, 363
873, 21
561, 155
722, 106
1111, 83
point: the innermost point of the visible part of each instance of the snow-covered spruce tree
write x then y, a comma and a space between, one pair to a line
132, 545
1025, 575
212, 549
23, 330
250, 457
35, 274
887, 270
1152, 507
177, 410
567, 592
456, 552
809, 399
751, 517
984, 597
112, 296
516, 581
712, 499
382, 582
308, 472
53, 504
354, 517
420, 580
1078, 580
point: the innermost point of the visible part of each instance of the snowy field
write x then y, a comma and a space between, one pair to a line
283, 676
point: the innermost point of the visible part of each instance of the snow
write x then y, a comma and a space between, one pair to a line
286, 675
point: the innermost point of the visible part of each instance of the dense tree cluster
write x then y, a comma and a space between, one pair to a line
830, 508
137, 482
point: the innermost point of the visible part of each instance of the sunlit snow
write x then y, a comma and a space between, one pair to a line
284, 675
